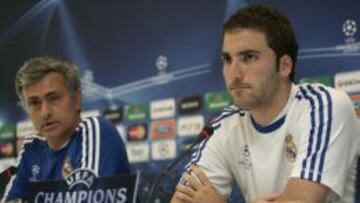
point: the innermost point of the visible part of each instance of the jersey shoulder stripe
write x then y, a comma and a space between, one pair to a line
216, 124
320, 121
90, 132
227, 112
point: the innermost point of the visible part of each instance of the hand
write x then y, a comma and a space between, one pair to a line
198, 189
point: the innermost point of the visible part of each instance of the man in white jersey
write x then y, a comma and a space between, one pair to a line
280, 142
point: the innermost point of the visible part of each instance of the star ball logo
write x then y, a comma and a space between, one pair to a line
349, 28
161, 62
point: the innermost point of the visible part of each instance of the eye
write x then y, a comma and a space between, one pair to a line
226, 59
34, 103
249, 57
54, 97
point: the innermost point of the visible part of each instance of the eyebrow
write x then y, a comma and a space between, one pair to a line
247, 51
49, 94
243, 52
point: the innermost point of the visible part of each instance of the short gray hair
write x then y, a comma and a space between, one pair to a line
35, 69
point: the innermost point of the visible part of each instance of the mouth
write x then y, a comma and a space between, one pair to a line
239, 87
50, 125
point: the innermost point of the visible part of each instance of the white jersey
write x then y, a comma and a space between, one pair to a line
315, 138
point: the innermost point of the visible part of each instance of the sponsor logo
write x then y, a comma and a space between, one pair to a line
115, 116
7, 149
356, 101
163, 129
325, 80
138, 152
218, 100
137, 112
7, 132
290, 149
163, 149
190, 104
24, 128
348, 81
190, 125
162, 108
137, 132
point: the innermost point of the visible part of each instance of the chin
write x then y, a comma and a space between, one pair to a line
241, 105
50, 135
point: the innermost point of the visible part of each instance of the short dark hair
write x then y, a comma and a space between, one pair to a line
35, 69
276, 27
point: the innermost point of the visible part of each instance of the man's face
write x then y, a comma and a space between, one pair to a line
54, 113
250, 70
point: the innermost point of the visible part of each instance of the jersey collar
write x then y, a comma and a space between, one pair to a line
270, 128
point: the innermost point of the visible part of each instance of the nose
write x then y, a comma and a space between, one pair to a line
46, 110
236, 70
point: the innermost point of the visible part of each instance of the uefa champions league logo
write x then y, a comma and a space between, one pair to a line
349, 28
81, 176
161, 63
35, 170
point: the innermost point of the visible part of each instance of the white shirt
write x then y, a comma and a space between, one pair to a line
315, 137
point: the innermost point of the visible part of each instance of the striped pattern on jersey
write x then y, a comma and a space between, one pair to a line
195, 157
90, 132
321, 121
227, 112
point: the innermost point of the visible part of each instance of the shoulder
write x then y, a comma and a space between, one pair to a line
317, 96
99, 128
227, 119
324, 106
33, 141
227, 115
32, 145
96, 124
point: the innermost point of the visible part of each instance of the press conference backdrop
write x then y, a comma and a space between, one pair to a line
153, 67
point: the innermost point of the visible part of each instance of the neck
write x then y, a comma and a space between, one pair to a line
267, 112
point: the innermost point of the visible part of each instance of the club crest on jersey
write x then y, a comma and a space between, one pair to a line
67, 168
290, 148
